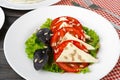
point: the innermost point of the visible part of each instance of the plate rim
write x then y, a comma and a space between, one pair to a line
14, 6
3, 17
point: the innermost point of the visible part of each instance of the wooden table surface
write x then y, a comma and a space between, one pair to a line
6, 72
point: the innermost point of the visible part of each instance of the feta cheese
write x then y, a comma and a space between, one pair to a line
73, 54
68, 36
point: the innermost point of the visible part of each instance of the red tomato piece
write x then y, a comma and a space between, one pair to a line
56, 26
57, 37
58, 19
70, 67
70, 21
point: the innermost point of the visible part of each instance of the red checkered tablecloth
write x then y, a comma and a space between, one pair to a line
113, 6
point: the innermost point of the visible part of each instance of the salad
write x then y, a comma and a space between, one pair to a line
63, 45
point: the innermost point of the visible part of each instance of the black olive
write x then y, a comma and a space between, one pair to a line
40, 58
44, 35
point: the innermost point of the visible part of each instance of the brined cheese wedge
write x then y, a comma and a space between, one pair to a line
73, 54
68, 36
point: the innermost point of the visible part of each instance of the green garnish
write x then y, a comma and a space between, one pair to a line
85, 70
32, 44
94, 41
46, 24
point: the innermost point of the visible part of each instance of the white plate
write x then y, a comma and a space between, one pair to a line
2, 17
17, 6
22, 28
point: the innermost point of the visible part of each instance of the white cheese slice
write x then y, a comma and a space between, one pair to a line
87, 37
73, 54
68, 36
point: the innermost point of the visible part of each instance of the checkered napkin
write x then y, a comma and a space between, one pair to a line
113, 6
